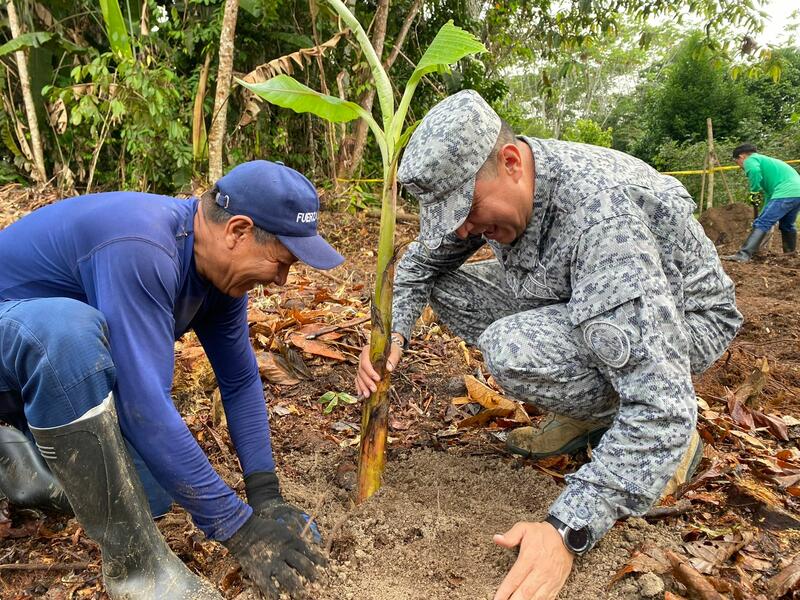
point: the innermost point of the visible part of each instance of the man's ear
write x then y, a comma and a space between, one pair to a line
237, 230
510, 159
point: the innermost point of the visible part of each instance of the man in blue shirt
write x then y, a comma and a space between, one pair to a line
94, 291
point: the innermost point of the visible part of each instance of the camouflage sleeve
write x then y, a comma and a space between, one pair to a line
416, 275
621, 301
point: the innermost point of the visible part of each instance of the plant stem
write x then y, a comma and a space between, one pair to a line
375, 411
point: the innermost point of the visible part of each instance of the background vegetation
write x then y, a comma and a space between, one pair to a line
132, 111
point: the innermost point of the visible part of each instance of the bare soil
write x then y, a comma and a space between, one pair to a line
427, 533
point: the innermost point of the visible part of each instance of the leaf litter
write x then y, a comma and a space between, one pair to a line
729, 532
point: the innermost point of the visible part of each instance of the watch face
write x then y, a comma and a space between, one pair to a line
577, 539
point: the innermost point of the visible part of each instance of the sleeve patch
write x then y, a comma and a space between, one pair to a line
608, 342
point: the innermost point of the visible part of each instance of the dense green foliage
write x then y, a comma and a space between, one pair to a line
116, 111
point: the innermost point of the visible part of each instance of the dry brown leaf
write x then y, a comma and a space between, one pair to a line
278, 66
707, 555
308, 318
688, 576
788, 579
274, 370
785, 482
315, 346
751, 562
650, 559
755, 442
774, 424
486, 396
789, 454
57, 113
483, 417
520, 416
489, 399
740, 413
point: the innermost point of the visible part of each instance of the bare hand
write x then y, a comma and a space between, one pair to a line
543, 564
367, 377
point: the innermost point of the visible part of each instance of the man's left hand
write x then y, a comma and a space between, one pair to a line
543, 564
263, 494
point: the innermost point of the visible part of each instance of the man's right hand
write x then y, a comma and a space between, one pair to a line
268, 552
367, 377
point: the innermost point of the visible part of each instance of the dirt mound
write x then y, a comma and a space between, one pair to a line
729, 223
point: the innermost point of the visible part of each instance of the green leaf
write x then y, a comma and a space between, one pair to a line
331, 405
287, 92
252, 7
449, 46
34, 39
327, 397
407, 134
346, 398
117, 31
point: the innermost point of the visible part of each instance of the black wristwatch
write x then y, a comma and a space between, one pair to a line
577, 541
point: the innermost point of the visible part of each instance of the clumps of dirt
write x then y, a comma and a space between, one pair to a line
428, 532
728, 223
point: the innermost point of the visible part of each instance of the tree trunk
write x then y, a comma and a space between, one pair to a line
216, 137
352, 144
40, 173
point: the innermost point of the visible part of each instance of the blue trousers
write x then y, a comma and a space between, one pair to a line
55, 365
783, 211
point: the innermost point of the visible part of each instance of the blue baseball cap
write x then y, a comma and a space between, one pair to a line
282, 202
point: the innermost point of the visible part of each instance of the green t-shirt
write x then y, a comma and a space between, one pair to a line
772, 176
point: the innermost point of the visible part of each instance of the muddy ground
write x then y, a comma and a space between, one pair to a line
427, 534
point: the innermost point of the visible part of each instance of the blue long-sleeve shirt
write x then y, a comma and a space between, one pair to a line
131, 256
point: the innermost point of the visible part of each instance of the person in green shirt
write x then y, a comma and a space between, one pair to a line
780, 184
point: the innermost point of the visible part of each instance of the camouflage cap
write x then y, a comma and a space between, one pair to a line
442, 159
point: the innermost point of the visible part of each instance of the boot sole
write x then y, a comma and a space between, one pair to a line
698, 456
571, 447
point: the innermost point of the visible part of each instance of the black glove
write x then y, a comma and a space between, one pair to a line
755, 199
267, 550
264, 495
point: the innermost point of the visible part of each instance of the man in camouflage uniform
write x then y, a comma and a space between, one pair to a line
604, 297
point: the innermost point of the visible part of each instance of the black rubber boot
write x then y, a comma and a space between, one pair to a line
789, 240
749, 248
89, 458
24, 477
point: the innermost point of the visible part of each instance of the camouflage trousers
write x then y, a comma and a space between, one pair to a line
551, 365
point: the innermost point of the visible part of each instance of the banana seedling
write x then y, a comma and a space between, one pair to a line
449, 46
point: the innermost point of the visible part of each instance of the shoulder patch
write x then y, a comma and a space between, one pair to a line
608, 342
